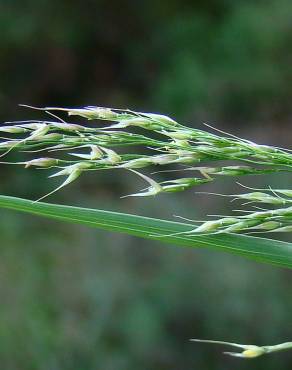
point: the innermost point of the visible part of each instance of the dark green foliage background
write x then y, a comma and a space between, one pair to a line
76, 298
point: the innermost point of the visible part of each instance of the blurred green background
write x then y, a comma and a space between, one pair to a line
82, 299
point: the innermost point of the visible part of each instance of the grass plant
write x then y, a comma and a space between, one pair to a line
138, 142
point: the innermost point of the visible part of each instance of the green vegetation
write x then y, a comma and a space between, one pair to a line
183, 146
80, 298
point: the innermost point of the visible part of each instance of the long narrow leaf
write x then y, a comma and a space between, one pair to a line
259, 249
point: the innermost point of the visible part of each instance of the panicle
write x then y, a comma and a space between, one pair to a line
163, 142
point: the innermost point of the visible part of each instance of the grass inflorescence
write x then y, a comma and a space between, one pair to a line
135, 141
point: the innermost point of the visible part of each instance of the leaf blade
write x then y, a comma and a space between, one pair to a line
259, 249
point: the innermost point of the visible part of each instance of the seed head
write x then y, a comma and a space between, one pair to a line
163, 120
137, 163
94, 113
112, 156
249, 350
95, 153
42, 162
39, 132
13, 129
